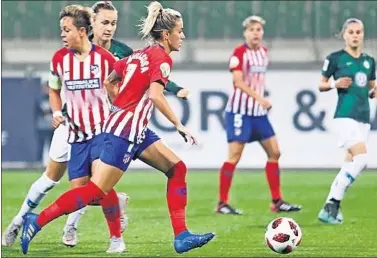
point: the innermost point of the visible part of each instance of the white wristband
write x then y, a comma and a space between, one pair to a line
332, 84
57, 113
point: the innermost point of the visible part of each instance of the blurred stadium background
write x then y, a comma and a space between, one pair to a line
299, 34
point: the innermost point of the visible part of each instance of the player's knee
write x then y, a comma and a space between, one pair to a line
55, 170
178, 171
234, 157
274, 155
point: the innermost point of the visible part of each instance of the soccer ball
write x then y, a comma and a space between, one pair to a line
283, 235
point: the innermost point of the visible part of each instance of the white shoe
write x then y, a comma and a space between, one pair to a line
70, 237
10, 234
123, 202
117, 245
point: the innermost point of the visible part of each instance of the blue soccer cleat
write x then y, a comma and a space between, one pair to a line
331, 214
186, 241
29, 229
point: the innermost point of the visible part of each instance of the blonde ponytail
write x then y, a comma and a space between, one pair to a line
146, 26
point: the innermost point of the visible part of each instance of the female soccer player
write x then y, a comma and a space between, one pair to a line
104, 23
246, 116
79, 69
354, 75
145, 73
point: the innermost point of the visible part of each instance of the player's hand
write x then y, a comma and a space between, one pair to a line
57, 120
186, 135
183, 94
265, 104
343, 82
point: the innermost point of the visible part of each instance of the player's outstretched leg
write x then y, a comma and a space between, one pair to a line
36, 193
68, 202
176, 195
331, 212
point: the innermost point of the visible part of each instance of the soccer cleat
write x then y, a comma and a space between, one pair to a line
186, 241
331, 214
224, 208
29, 229
10, 234
117, 245
282, 206
69, 237
123, 202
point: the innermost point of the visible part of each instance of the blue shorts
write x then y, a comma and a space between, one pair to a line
119, 152
150, 138
246, 129
82, 156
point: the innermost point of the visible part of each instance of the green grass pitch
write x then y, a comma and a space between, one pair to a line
149, 232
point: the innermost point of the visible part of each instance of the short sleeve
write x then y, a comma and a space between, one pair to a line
54, 81
329, 66
373, 70
236, 60
112, 62
160, 70
119, 67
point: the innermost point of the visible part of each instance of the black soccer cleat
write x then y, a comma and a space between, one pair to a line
282, 206
224, 208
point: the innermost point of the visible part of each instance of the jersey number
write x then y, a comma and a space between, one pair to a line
131, 68
237, 121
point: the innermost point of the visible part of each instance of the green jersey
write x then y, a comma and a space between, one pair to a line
120, 50
352, 102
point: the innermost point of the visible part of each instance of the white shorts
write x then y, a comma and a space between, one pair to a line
350, 132
60, 148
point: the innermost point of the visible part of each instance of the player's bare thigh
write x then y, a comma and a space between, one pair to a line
55, 170
235, 150
159, 156
105, 176
271, 147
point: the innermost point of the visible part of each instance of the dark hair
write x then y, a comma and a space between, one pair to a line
158, 20
106, 5
81, 16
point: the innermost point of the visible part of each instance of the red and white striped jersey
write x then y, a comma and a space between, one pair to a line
253, 64
133, 108
82, 84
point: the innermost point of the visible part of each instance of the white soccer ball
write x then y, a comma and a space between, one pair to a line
283, 235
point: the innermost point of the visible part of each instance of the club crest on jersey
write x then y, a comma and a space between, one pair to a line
94, 69
165, 69
361, 79
126, 158
366, 64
